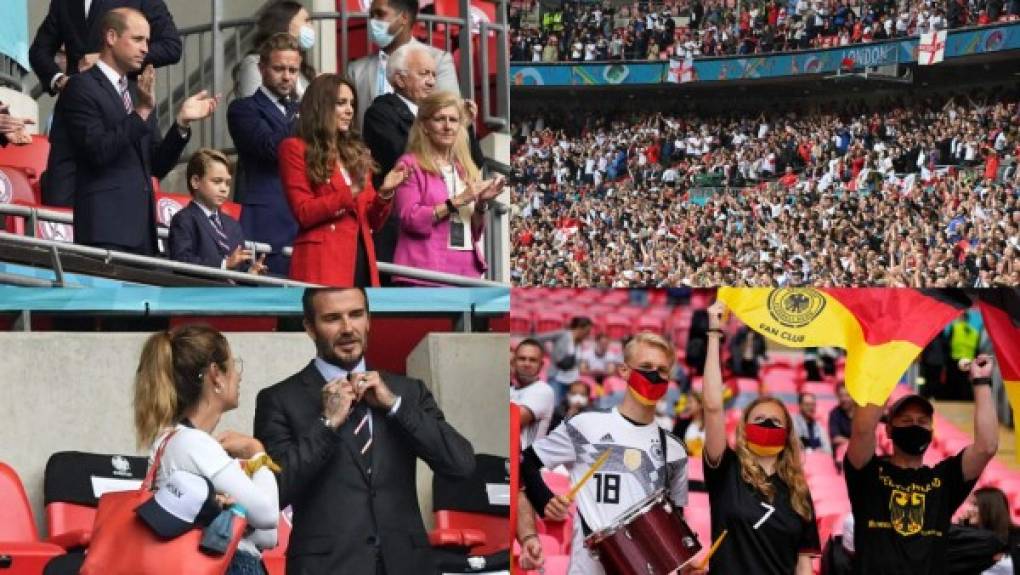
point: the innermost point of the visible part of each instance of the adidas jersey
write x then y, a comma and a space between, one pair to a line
635, 469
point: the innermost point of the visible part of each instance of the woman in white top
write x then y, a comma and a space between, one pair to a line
284, 16
187, 379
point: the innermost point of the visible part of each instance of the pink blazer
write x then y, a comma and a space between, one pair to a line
422, 242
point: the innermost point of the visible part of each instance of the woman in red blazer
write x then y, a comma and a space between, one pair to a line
326, 173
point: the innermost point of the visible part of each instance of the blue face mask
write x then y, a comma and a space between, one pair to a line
306, 38
379, 32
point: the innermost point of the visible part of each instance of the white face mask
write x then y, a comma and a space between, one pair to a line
379, 32
306, 37
577, 400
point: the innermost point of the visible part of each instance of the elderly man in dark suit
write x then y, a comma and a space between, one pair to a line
258, 124
116, 141
75, 26
347, 440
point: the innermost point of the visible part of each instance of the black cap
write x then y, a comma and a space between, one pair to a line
912, 399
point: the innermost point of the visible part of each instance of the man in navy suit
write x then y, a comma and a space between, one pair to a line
258, 124
116, 141
75, 25
202, 233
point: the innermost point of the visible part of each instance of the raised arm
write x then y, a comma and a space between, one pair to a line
986, 422
862, 437
715, 416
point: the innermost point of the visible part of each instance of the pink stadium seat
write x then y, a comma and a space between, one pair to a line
19, 539
548, 321
618, 326
520, 321
650, 323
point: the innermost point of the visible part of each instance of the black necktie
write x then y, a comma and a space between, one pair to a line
289, 107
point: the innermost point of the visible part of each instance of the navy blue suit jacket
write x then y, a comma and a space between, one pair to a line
116, 154
257, 127
193, 238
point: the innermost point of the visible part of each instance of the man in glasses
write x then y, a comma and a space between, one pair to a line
643, 457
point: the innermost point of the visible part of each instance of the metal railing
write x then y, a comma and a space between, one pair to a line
34, 215
12, 75
209, 49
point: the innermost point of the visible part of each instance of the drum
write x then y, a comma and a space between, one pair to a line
648, 539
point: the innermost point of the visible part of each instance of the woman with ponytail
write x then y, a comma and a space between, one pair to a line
756, 489
187, 379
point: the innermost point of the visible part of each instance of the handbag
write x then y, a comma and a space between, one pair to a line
122, 544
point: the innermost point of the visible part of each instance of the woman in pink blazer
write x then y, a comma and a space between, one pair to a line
441, 205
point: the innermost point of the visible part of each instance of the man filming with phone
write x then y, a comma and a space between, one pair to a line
347, 440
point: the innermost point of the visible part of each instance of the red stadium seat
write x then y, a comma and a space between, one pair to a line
548, 321
19, 539
15, 187
31, 158
520, 321
275, 559
167, 205
618, 326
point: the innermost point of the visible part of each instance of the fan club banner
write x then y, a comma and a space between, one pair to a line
882, 330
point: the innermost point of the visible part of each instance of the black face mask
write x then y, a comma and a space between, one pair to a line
911, 439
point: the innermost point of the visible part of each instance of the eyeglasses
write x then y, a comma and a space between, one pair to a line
239, 365
773, 420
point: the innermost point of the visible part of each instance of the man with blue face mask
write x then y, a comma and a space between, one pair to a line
902, 508
389, 27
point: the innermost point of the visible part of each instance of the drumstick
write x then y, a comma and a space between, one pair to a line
711, 551
591, 471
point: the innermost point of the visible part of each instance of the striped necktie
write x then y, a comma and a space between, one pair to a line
125, 95
220, 236
363, 432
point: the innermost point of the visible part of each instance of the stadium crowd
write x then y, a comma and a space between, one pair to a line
598, 31
920, 193
382, 158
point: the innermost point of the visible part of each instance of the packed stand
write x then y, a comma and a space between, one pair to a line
600, 31
903, 194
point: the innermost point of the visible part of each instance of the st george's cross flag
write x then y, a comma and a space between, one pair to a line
882, 330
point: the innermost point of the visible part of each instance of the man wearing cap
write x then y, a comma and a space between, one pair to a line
348, 440
902, 508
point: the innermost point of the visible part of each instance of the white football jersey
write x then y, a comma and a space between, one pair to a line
635, 469
540, 399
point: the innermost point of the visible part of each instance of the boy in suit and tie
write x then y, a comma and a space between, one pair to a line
203, 234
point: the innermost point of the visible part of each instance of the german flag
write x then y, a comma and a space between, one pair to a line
1001, 310
882, 329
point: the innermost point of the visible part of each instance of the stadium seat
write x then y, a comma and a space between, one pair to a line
275, 559
167, 205
465, 515
546, 321
70, 485
21, 551
15, 186
31, 158
520, 321
618, 326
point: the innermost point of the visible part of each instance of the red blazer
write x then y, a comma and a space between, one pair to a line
328, 217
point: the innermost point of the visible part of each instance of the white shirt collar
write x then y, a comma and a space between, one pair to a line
411, 105
274, 99
204, 209
330, 372
112, 75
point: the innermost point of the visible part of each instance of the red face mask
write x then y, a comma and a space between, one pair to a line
765, 439
647, 385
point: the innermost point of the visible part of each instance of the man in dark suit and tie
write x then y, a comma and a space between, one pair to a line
258, 124
116, 141
347, 440
75, 26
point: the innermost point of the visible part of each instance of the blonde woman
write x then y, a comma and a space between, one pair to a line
441, 205
756, 489
187, 379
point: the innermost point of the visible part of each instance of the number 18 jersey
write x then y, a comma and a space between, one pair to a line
634, 470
